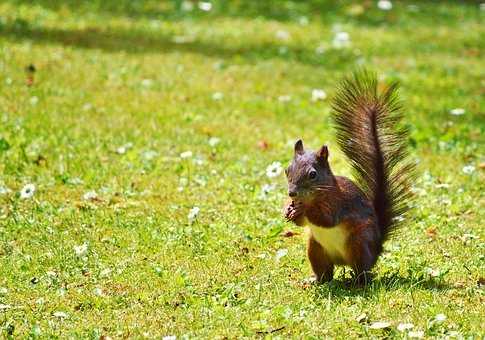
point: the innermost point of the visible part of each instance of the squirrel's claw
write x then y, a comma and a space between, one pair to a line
293, 211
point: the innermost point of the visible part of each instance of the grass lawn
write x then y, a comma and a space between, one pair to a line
137, 112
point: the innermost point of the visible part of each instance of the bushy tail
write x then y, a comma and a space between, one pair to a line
368, 132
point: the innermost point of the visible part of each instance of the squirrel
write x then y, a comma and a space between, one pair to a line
349, 221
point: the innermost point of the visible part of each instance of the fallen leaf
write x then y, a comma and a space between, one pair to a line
380, 325
431, 232
289, 233
60, 315
416, 334
459, 284
308, 282
263, 145
361, 318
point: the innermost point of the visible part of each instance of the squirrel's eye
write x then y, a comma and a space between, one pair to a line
312, 174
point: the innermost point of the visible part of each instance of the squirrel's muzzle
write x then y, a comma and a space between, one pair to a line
292, 190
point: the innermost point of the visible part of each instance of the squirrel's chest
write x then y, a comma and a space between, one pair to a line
333, 240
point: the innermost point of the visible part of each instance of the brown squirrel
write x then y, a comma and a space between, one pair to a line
349, 222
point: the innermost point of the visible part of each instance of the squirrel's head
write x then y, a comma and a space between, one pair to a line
309, 173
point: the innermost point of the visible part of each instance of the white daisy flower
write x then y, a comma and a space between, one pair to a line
282, 35
267, 188
205, 6
217, 95
147, 82
27, 191
284, 99
341, 40
384, 5
4, 190
433, 272
193, 213
122, 149
320, 49
98, 291
274, 170
318, 94
404, 327
457, 112
34, 100
187, 6
105, 272
198, 161
90, 195
303, 20
186, 154
75, 181
281, 253
468, 169
81, 250
149, 155
440, 318
213, 141
182, 39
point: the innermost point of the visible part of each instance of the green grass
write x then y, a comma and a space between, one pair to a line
112, 73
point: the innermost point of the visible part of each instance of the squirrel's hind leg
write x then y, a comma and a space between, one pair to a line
363, 254
321, 264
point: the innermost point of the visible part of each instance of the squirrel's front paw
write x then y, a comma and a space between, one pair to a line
293, 211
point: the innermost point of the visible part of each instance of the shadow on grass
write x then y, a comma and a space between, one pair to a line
137, 41
340, 288
364, 13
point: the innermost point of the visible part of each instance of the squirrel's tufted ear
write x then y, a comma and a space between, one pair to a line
299, 147
323, 153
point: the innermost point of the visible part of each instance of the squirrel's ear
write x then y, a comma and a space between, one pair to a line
323, 153
299, 147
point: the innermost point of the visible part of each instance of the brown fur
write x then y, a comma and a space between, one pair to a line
321, 264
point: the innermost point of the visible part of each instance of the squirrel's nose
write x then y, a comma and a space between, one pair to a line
292, 193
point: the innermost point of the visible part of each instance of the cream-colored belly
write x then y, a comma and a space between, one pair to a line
333, 240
